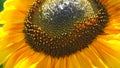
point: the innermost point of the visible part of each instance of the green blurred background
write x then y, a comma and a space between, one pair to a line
1, 8
1, 4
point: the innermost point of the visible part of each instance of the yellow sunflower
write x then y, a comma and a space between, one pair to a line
60, 34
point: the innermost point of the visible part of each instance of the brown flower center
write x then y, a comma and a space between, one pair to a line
62, 27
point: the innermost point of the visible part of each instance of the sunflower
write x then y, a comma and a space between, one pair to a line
60, 34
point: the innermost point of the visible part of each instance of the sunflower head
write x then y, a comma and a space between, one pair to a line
75, 23
60, 34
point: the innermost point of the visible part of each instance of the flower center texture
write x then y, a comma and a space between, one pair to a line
62, 27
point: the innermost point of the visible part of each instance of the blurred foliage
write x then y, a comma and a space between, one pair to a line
1, 66
1, 4
1, 8
1, 25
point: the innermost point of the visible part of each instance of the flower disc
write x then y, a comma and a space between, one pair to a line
62, 27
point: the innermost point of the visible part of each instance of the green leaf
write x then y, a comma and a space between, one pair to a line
1, 66
1, 4
1, 8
